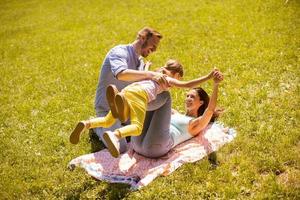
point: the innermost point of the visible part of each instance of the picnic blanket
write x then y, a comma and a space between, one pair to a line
138, 171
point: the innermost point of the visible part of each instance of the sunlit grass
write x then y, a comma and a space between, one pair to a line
51, 53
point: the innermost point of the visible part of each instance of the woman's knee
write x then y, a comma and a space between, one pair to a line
161, 100
165, 96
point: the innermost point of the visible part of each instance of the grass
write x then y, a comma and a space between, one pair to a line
51, 52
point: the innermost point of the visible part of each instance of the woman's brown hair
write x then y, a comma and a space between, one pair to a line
205, 98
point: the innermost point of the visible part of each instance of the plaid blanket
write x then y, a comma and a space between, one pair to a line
139, 171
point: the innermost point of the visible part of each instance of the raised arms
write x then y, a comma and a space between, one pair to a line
198, 124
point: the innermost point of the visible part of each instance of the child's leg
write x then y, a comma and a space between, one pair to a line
105, 122
111, 92
122, 107
75, 135
137, 102
129, 130
100, 132
112, 138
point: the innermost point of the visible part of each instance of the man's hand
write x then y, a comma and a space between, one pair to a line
147, 65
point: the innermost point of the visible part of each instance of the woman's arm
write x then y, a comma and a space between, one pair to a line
198, 124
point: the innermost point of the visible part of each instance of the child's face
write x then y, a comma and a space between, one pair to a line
177, 76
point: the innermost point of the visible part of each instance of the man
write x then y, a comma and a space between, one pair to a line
122, 66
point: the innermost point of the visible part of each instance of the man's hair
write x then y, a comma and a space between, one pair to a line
174, 66
148, 32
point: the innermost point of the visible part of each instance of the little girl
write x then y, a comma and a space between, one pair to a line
132, 102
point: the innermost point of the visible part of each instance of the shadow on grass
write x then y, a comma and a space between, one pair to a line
96, 144
114, 191
212, 159
111, 191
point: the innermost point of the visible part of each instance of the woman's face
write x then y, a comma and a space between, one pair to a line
192, 100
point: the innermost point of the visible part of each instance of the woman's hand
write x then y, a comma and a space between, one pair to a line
211, 74
218, 76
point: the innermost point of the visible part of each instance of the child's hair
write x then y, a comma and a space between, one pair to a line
174, 67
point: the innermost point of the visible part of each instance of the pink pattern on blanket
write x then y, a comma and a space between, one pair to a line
139, 171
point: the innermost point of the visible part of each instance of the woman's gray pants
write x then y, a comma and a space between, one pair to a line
155, 139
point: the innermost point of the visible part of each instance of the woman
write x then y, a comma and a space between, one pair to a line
200, 110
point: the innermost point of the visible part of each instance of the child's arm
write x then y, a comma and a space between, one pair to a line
192, 83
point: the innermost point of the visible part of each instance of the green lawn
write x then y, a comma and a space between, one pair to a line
50, 57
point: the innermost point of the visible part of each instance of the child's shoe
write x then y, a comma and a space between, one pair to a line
111, 92
122, 107
80, 127
113, 143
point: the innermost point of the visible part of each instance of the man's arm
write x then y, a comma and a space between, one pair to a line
120, 70
134, 75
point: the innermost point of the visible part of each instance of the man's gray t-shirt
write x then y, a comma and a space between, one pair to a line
118, 59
